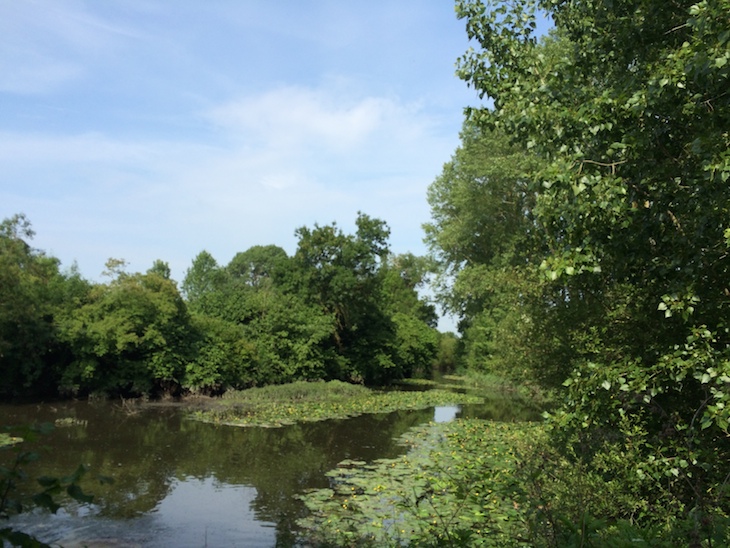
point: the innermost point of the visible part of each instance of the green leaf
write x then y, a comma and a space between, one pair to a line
47, 481
44, 500
18, 538
75, 492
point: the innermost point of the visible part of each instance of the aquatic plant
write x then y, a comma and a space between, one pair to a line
456, 486
274, 406
14, 458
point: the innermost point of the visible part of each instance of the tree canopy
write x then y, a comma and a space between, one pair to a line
614, 262
341, 308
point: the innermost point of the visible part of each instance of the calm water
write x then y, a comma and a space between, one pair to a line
179, 482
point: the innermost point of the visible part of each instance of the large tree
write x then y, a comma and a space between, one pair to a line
201, 280
340, 273
484, 237
27, 279
131, 336
626, 103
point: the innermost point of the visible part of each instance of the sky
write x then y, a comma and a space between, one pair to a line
144, 129
151, 129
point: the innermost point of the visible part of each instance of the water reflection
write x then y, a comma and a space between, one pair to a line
206, 512
179, 482
445, 413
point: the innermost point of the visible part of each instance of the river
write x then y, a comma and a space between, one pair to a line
179, 482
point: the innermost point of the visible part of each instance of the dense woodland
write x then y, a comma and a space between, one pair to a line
583, 229
581, 233
343, 307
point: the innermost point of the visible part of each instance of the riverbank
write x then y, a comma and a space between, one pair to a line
280, 405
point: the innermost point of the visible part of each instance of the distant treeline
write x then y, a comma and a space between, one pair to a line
342, 307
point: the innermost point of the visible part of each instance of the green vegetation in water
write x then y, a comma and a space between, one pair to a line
455, 383
426, 383
7, 440
273, 406
456, 486
496, 386
475, 482
69, 421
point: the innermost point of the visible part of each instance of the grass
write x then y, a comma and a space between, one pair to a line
298, 391
279, 405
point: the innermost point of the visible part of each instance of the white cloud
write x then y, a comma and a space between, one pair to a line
297, 115
288, 157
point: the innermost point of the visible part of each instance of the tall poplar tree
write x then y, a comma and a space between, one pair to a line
627, 104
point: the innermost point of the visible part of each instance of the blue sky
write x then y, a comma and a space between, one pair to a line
146, 129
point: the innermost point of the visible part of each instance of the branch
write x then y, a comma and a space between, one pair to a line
679, 27
675, 221
612, 165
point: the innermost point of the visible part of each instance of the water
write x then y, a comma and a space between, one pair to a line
179, 482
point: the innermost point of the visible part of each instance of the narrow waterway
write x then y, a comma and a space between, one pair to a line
179, 482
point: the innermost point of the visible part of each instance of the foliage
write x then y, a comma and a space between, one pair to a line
129, 336
222, 357
302, 401
415, 345
484, 238
26, 308
456, 486
481, 483
625, 107
260, 265
13, 475
447, 354
339, 273
602, 503
289, 338
481, 204
529, 393
402, 276
341, 308
201, 280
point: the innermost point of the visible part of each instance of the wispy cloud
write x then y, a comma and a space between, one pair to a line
48, 44
284, 158
147, 129
294, 115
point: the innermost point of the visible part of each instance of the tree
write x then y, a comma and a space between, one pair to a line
402, 276
481, 204
255, 327
259, 264
289, 338
222, 357
160, 268
626, 104
446, 359
202, 278
415, 346
130, 336
414, 320
340, 274
485, 240
26, 309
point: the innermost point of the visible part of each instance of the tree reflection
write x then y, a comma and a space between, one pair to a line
151, 452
